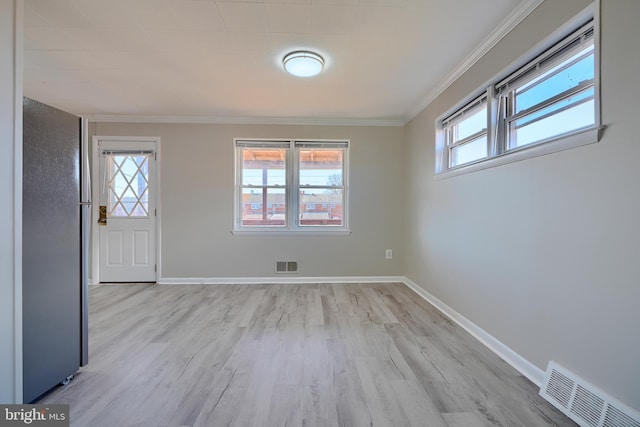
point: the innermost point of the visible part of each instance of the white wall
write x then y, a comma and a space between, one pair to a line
10, 30
543, 254
197, 171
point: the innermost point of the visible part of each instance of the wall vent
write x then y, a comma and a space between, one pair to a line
286, 266
583, 403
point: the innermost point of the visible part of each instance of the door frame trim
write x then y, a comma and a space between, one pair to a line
95, 191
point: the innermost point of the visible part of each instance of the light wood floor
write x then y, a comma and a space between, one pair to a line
289, 355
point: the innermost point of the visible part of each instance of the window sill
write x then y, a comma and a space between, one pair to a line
291, 233
587, 136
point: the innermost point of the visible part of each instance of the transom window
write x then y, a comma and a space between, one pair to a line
291, 185
551, 100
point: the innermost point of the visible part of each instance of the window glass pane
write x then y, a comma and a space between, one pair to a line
264, 166
321, 168
526, 131
263, 207
128, 186
320, 206
556, 107
475, 149
470, 125
556, 81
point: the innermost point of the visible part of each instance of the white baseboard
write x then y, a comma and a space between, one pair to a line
274, 280
522, 365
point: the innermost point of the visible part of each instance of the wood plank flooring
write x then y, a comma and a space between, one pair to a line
289, 355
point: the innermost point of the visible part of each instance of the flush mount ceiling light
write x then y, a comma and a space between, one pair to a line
303, 63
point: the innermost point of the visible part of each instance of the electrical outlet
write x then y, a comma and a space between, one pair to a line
388, 254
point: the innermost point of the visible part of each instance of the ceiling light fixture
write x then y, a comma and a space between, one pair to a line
303, 63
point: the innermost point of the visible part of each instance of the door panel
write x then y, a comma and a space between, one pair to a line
115, 249
128, 192
141, 247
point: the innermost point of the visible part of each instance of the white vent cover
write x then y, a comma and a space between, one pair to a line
583, 403
286, 266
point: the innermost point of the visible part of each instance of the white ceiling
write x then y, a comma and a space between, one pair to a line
222, 59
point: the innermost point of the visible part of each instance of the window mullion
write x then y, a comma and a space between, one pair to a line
510, 108
443, 147
501, 130
492, 121
293, 191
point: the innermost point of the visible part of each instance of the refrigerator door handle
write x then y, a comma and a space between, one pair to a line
84, 281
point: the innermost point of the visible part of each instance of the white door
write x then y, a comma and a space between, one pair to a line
127, 211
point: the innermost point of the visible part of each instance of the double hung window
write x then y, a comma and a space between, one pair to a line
466, 133
550, 100
291, 186
320, 183
553, 95
262, 184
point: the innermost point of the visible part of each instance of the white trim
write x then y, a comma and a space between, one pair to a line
588, 136
277, 280
95, 190
522, 365
310, 121
507, 25
282, 232
292, 186
158, 210
17, 200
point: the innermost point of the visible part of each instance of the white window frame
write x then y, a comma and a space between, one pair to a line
498, 149
449, 127
292, 186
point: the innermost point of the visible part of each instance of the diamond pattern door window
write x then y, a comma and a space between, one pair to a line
128, 185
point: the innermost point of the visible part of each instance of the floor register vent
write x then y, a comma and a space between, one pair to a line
288, 267
583, 403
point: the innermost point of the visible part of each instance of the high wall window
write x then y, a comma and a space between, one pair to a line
548, 104
466, 133
291, 186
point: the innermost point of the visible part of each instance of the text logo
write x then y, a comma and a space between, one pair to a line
34, 415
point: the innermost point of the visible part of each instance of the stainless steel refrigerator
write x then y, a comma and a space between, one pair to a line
56, 209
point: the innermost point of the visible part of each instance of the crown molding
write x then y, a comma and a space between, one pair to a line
507, 25
305, 121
